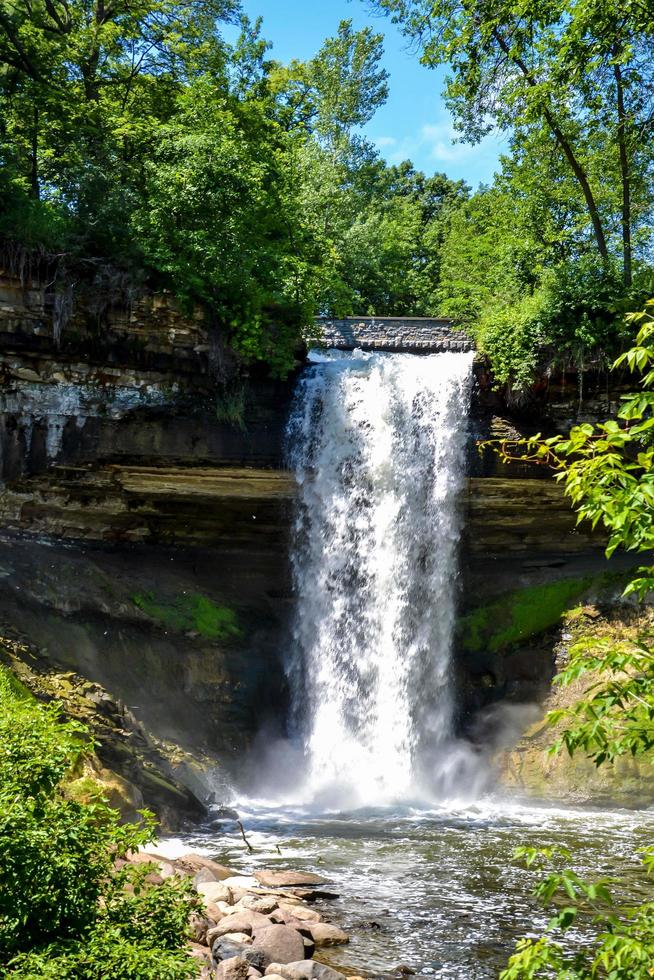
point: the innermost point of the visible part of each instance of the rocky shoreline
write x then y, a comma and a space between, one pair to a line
248, 927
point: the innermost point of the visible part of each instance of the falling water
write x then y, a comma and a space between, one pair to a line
377, 442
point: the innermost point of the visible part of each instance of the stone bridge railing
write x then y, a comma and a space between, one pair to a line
392, 333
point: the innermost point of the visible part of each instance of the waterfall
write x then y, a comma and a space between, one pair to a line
377, 444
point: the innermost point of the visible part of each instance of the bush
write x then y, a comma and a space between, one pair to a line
511, 336
65, 910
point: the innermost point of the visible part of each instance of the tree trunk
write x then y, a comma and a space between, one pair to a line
568, 152
35, 189
625, 176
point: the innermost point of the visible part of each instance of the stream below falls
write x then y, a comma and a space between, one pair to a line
436, 890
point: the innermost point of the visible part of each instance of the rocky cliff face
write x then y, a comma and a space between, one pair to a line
145, 512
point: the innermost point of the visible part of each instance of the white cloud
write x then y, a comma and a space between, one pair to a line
385, 142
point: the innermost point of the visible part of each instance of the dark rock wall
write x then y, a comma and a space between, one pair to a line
145, 520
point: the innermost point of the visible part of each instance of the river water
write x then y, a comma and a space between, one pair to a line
377, 443
433, 889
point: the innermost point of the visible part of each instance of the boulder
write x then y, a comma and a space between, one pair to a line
287, 879
299, 911
303, 970
192, 864
213, 911
281, 944
244, 921
265, 904
215, 891
203, 875
302, 927
324, 934
235, 968
224, 949
160, 867
241, 881
199, 926
254, 974
237, 937
201, 953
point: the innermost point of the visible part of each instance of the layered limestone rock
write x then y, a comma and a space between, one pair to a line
530, 767
145, 516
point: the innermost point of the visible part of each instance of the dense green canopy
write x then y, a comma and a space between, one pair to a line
137, 135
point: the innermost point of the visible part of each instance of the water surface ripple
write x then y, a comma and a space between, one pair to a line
434, 889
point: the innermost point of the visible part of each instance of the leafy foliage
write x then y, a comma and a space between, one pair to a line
543, 263
608, 474
65, 910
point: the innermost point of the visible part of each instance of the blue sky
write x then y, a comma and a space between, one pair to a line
414, 123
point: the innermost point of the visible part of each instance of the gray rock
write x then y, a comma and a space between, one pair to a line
257, 958
225, 949
303, 970
281, 944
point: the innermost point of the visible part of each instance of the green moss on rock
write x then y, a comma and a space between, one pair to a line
190, 612
524, 613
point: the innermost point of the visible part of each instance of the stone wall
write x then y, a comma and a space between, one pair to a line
411, 334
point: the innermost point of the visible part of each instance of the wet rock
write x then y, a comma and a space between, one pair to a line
303, 970
193, 864
281, 944
324, 934
311, 894
287, 879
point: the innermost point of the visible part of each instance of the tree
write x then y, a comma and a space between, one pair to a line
575, 72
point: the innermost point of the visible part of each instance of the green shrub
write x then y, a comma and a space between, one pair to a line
511, 337
65, 910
